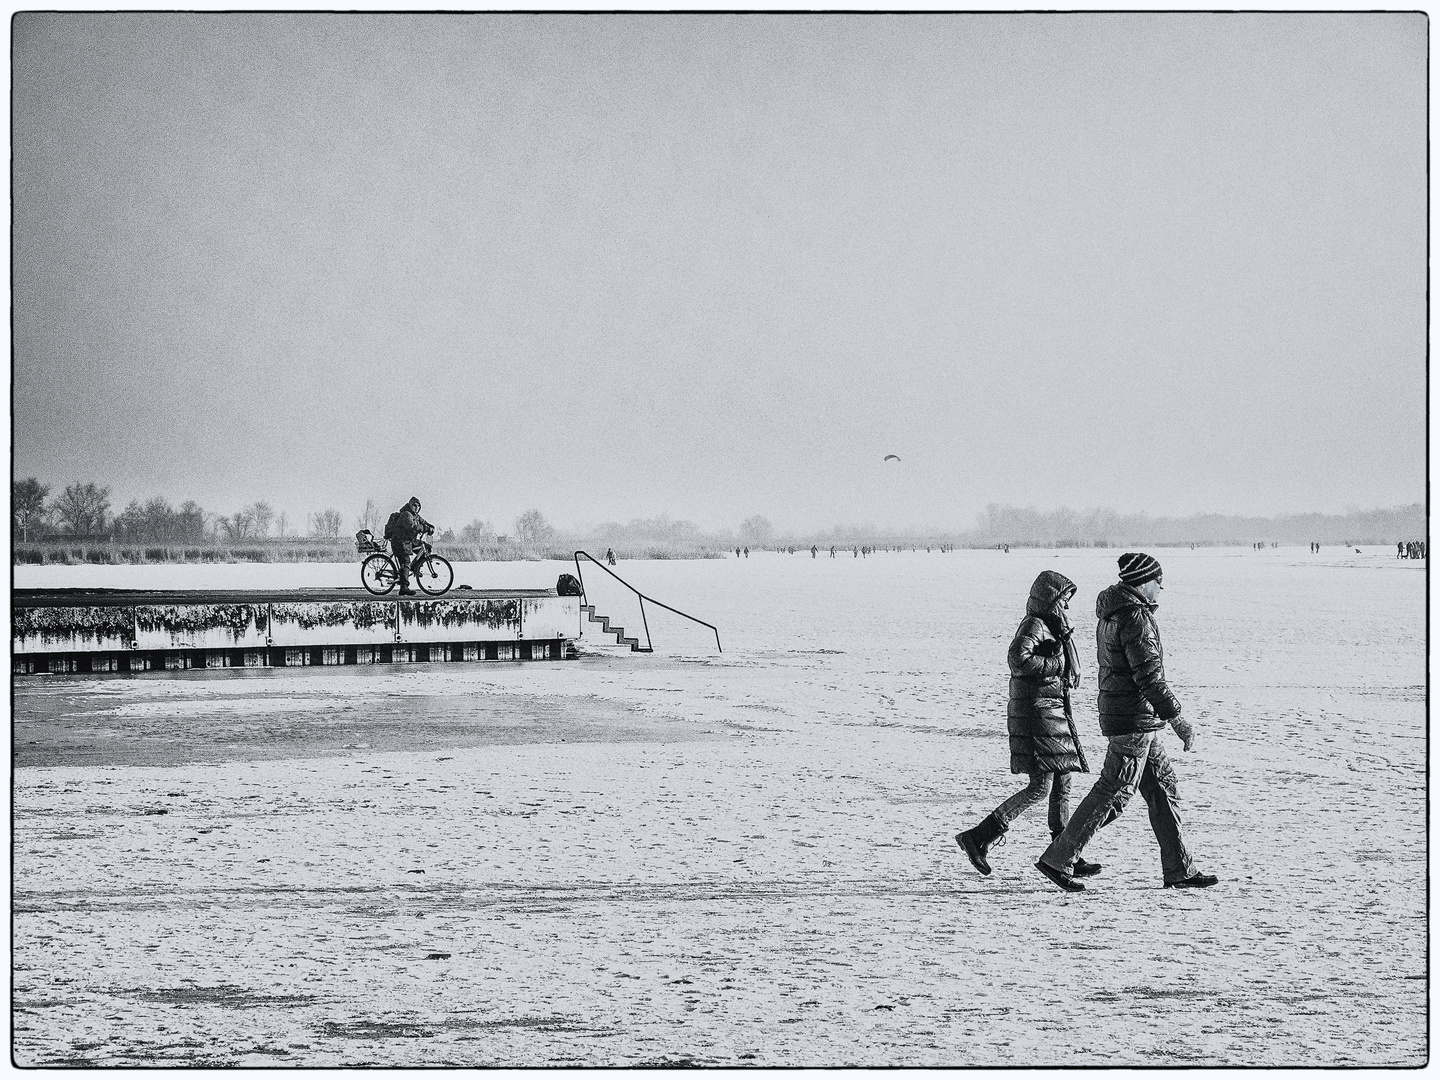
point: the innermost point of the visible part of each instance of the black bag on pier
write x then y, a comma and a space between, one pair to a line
568, 585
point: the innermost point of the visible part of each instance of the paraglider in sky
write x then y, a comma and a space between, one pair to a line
892, 457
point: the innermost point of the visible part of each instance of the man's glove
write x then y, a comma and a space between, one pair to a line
1184, 730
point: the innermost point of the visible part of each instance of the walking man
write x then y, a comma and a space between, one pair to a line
1135, 706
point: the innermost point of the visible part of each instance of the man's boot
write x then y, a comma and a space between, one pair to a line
1059, 877
1194, 881
976, 842
1082, 868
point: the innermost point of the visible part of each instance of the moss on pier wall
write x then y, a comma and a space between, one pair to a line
495, 614
239, 619
363, 615
52, 624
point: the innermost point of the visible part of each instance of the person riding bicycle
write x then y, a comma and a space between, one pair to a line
404, 530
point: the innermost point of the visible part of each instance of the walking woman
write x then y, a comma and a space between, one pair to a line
1043, 667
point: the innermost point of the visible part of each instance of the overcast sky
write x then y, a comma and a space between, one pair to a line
713, 266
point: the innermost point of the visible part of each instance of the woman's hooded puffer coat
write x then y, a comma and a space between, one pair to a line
1040, 739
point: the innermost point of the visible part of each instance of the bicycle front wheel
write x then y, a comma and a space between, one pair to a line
378, 574
434, 575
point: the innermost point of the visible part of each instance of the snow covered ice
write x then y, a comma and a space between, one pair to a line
733, 859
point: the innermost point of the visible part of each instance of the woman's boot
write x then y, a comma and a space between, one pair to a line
976, 842
1082, 868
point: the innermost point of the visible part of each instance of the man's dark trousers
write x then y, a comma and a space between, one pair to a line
1133, 762
404, 555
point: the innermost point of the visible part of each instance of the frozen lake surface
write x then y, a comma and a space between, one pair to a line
737, 859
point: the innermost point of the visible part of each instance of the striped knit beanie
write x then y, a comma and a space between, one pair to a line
1136, 568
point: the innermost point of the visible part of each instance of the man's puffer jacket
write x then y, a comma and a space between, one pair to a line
1133, 694
1040, 739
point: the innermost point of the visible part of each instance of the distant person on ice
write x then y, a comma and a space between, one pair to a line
1043, 668
1135, 706
404, 530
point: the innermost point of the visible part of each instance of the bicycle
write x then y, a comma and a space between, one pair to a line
379, 573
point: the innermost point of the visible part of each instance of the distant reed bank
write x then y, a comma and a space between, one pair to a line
111, 553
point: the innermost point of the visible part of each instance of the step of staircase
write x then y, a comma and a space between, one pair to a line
603, 621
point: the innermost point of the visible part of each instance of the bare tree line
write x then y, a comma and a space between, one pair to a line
1106, 528
83, 510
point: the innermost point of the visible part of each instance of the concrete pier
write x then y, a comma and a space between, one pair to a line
66, 631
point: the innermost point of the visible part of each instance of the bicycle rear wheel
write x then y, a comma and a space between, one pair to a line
378, 574
434, 575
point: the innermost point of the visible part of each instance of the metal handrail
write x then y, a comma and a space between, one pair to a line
643, 598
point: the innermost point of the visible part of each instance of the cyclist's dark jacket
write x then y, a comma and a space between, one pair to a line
409, 527
1133, 694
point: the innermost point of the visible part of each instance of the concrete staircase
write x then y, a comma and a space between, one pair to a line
619, 631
